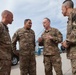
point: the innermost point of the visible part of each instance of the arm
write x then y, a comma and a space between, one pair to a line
1, 28
40, 40
14, 41
58, 38
71, 29
34, 39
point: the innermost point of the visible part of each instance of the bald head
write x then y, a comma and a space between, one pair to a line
68, 3
7, 17
5, 13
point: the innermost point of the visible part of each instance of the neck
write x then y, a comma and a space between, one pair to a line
26, 28
69, 11
3, 21
48, 28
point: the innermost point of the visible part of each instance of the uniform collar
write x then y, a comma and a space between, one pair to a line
26, 30
48, 30
5, 26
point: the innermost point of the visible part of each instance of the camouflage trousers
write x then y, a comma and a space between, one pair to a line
5, 67
73, 63
28, 65
50, 62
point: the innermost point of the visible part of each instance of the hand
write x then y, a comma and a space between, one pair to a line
49, 37
64, 44
16, 52
40, 39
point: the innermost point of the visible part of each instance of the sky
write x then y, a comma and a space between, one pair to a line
36, 10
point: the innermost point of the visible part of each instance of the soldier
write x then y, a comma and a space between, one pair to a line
26, 38
50, 39
70, 42
5, 43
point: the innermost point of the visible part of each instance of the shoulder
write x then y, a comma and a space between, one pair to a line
72, 17
1, 25
54, 29
73, 13
19, 30
74, 10
32, 31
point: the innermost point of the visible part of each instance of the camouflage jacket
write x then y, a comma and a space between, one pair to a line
26, 39
51, 46
71, 34
5, 42
71, 27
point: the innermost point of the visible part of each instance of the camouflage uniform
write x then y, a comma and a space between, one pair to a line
51, 51
26, 40
5, 50
71, 38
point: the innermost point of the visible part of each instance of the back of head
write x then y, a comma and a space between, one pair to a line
5, 13
68, 3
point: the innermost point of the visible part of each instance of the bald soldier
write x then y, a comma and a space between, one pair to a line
26, 38
50, 39
70, 42
5, 43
